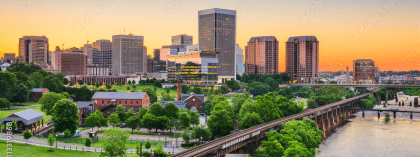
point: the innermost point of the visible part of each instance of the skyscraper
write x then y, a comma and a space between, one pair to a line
365, 72
34, 49
240, 69
182, 39
302, 58
262, 55
127, 55
102, 54
217, 32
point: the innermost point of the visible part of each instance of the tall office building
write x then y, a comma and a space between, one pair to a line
71, 63
365, 72
182, 39
127, 55
102, 53
262, 55
88, 51
302, 58
217, 33
240, 68
34, 49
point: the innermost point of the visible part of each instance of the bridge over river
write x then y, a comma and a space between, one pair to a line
328, 117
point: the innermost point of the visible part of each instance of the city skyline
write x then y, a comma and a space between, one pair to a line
394, 34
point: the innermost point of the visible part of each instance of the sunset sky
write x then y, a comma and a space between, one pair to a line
386, 31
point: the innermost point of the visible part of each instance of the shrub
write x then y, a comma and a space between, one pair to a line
146, 153
148, 145
88, 142
191, 144
343, 116
387, 119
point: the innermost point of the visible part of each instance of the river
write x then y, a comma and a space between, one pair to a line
370, 137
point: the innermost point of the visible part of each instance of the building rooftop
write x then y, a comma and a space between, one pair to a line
119, 95
28, 117
186, 96
302, 38
37, 89
217, 10
263, 38
83, 104
364, 61
180, 104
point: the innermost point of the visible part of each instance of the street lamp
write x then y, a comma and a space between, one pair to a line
56, 141
173, 147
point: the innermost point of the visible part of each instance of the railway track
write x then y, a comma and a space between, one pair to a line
203, 149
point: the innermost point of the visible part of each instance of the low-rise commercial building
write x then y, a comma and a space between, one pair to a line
106, 102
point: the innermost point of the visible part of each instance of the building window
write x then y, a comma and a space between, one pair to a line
137, 102
138, 110
102, 101
108, 102
126, 102
113, 110
96, 101
119, 103
131, 102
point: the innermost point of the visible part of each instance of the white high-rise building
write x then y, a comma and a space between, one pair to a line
127, 55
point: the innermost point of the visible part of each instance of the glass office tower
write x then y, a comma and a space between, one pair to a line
217, 32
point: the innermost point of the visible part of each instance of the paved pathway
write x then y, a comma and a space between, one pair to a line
73, 147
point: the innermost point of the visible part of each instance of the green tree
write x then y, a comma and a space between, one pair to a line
258, 88
156, 109
171, 110
250, 120
159, 152
51, 140
120, 110
133, 122
149, 121
185, 119
113, 119
139, 149
162, 123
114, 142
167, 97
186, 135
88, 142
67, 134
27, 135
273, 84
65, 116
129, 113
194, 118
311, 103
208, 105
174, 123
247, 107
129, 82
4, 103
60, 76
24, 67
7, 82
269, 107
93, 120
48, 101
19, 94
220, 123
197, 90
284, 77
271, 147
148, 145
232, 84
142, 112
200, 132
52, 83
152, 95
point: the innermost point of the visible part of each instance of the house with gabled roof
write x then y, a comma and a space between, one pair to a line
106, 102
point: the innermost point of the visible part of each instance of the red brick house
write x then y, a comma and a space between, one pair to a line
106, 102
37, 93
194, 102
85, 109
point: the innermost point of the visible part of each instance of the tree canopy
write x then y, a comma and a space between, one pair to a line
65, 116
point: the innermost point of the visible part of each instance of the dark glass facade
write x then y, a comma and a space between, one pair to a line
217, 32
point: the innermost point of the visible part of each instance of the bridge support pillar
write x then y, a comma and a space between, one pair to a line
416, 102
395, 115
411, 115
379, 115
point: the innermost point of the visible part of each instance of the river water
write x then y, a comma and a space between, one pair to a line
370, 137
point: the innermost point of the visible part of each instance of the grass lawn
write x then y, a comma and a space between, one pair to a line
243, 84
171, 135
130, 144
21, 149
230, 96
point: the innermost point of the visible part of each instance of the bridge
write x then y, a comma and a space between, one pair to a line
388, 87
328, 117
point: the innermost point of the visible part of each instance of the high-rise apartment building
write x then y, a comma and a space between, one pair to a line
302, 58
261, 55
88, 51
182, 39
364, 72
34, 49
127, 55
217, 33
240, 68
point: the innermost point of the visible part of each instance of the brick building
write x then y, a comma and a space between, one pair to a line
364, 71
85, 109
37, 93
71, 63
262, 55
106, 102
